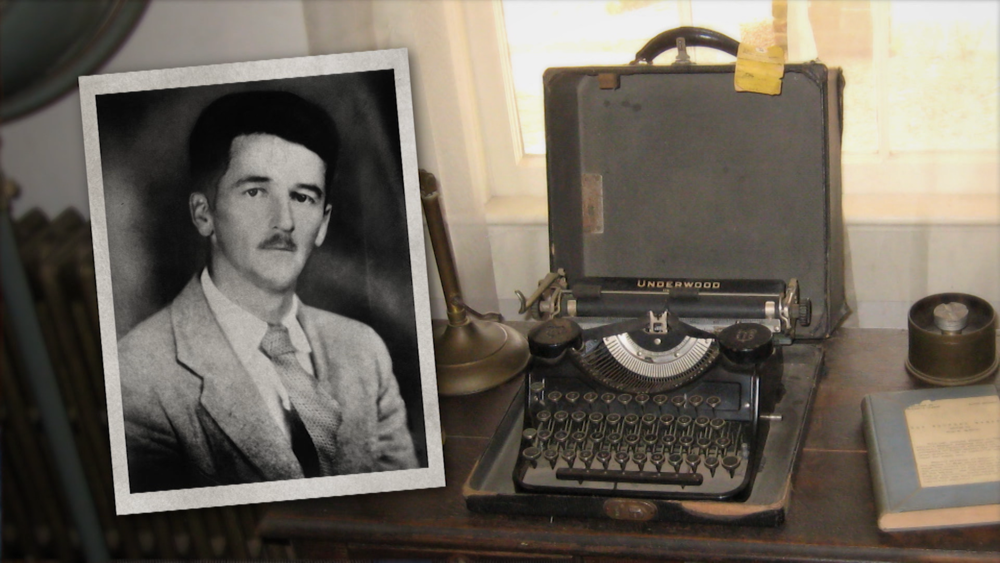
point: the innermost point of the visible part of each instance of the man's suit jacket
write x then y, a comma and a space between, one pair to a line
194, 418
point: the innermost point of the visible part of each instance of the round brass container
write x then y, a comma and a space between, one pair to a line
944, 357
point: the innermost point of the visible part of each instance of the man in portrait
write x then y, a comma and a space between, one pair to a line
236, 380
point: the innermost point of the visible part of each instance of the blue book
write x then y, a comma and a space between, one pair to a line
934, 456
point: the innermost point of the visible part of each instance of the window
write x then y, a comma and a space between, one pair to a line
920, 103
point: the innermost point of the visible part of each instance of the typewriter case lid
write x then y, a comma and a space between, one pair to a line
668, 172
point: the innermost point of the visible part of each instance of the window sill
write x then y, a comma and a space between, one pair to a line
859, 209
922, 209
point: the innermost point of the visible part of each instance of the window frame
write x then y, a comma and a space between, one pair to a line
508, 166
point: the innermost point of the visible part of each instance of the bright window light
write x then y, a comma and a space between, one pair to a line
921, 76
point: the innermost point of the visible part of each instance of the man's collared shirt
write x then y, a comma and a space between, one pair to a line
244, 331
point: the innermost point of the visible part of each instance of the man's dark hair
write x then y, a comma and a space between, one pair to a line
281, 114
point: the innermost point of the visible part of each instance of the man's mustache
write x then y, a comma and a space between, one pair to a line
278, 241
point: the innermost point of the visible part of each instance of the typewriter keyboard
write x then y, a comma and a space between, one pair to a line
693, 442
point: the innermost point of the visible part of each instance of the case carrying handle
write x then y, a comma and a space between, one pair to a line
692, 36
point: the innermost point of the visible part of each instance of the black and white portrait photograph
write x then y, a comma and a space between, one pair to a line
262, 283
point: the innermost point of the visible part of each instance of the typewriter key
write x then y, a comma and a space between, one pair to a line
666, 419
529, 434
731, 462
686, 440
531, 453
631, 419
684, 421
572, 397
713, 402
641, 399
660, 400
695, 400
622, 459
701, 421
537, 386
544, 434
678, 401
649, 439
668, 440
561, 436
597, 437
561, 416
640, 459
587, 457
615, 438
604, 457
717, 423
608, 398
569, 456
648, 419
551, 455
723, 442
596, 417
590, 397
625, 399
711, 462
579, 436
675, 461
704, 442
692, 461
578, 416
657, 460
613, 419
543, 416
554, 396
632, 439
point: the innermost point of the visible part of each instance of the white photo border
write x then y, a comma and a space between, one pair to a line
134, 503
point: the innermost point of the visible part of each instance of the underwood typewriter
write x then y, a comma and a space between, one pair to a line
664, 405
696, 262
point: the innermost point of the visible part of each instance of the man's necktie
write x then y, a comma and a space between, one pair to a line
318, 411
302, 444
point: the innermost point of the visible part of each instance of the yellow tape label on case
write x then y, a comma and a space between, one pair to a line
759, 69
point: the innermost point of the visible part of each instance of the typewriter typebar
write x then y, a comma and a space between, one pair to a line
650, 408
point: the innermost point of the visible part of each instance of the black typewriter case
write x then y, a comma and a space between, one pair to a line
665, 172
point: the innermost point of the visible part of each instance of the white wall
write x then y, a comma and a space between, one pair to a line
44, 152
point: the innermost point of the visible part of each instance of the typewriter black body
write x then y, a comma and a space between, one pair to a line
696, 263
656, 407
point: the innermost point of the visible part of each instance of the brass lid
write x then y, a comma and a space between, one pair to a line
944, 352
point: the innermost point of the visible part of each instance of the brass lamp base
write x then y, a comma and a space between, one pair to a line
477, 356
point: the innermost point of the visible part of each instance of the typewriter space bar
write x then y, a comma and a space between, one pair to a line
649, 477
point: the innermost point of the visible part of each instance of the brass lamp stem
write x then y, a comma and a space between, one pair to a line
431, 200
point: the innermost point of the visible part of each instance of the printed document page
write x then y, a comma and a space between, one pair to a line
956, 441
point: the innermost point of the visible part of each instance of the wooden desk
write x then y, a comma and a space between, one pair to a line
832, 514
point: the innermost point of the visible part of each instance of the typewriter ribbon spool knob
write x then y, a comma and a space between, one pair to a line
472, 354
550, 339
746, 343
952, 339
